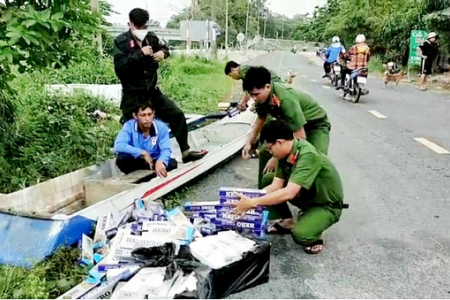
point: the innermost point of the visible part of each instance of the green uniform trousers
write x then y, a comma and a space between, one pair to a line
311, 224
318, 136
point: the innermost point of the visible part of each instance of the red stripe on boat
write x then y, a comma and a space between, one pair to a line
158, 187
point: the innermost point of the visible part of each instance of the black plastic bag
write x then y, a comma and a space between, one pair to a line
161, 256
250, 271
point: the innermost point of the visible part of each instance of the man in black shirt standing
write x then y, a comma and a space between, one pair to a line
428, 50
137, 54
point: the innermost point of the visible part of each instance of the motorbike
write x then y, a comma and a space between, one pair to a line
355, 84
294, 50
335, 74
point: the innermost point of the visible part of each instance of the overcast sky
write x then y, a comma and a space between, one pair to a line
162, 10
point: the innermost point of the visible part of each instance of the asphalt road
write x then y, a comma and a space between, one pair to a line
394, 241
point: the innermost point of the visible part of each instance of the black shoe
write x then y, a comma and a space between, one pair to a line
325, 76
194, 155
338, 87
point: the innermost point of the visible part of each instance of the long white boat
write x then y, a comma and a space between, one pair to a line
37, 220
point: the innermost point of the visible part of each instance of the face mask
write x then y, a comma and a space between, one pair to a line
140, 34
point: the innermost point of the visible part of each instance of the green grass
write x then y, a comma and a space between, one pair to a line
376, 65
53, 130
46, 280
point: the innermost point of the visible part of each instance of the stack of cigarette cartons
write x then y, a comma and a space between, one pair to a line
214, 216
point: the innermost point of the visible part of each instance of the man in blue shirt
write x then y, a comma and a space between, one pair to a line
332, 55
144, 143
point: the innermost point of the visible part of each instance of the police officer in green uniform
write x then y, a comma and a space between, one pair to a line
307, 179
306, 117
137, 54
238, 72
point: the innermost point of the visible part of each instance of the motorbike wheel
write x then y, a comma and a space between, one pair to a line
356, 95
335, 80
344, 91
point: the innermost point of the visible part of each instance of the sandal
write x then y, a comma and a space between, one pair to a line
309, 248
279, 229
254, 154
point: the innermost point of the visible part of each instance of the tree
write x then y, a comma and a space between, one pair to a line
386, 24
40, 34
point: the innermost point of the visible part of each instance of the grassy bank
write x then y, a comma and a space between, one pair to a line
52, 130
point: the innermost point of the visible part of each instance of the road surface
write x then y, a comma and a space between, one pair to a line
394, 241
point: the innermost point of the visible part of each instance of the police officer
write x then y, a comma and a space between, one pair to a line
137, 54
307, 119
307, 179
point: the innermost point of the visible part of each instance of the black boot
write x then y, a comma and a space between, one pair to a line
194, 155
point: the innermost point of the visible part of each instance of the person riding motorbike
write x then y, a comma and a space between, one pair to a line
332, 55
360, 56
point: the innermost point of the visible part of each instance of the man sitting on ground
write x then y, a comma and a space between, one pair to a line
144, 143
307, 179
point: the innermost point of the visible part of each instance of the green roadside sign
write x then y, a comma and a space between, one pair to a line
417, 38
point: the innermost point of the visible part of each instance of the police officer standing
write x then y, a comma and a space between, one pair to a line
307, 179
307, 119
137, 54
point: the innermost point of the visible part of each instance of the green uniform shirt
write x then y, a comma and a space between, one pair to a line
293, 106
315, 173
244, 68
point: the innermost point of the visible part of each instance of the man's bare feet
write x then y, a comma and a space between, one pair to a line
282, 226
315, 248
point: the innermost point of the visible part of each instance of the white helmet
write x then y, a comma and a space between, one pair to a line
360, 38
335, 39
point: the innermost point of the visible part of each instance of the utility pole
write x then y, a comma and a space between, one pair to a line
246, 28
226, 27
98, 38
214, 35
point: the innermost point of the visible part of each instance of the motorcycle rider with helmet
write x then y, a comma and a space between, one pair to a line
332, 55
360, 56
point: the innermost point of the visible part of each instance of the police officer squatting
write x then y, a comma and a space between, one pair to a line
304, 177
137, 54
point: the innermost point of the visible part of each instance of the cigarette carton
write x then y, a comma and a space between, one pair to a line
200, 206
146, 283
232, 193
179, 219
100, 235
87, 252
105, 289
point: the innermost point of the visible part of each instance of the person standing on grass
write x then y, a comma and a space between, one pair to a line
137, 54
144, 143
306, 117
237, 72
304, 177
428, 50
